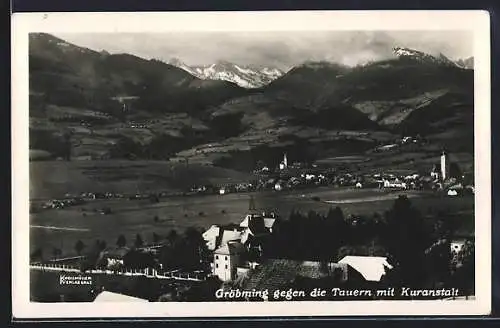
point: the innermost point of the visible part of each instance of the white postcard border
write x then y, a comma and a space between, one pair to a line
22, 24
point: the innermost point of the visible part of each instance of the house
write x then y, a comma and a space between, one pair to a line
435, 172
452, 192
457, 245
226, 260
217, 236
470, 189
372, 268
310, 177
394, 184
275, 274
114, 256
283, 164
359, 185
106, 296
269, 222
257, 229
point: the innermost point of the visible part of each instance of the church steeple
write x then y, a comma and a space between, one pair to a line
445, 166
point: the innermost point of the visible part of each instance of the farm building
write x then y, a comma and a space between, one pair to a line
113, 256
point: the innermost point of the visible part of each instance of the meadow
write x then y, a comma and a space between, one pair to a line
132, 217
62, 228
53, 179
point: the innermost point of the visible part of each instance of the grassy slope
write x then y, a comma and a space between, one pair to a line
56, 178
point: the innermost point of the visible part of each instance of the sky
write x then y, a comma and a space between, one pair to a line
276, 49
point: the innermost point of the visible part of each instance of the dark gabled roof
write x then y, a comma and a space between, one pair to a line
230, 248
277, 273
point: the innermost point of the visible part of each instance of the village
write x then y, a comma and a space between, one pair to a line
245, 254
285, 176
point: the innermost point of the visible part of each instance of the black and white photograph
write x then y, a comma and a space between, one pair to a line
254, 164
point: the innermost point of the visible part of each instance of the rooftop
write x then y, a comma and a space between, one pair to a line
268, 222
372, 268
276, 273
106, 296
230, 248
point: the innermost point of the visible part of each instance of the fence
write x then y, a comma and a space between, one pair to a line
148, 272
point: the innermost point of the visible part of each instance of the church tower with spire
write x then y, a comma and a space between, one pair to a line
445, 166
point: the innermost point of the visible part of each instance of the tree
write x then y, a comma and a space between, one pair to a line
464, 275
79, 246
138, 241
260, 165
56, 252
92, 256
455, 171
172, 237
121, 242
192, 249
37, 254
138, 260
406, 239
338, 229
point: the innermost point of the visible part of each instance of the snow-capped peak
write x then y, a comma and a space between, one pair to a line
467, 63
244, 76
422, 56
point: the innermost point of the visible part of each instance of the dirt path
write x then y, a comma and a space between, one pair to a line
58, 228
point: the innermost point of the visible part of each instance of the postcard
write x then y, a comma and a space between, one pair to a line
251, 164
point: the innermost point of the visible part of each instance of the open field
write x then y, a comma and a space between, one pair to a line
52, 179
130, 217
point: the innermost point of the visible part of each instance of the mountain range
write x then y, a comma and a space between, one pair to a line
243, 75
467, 63
120, 105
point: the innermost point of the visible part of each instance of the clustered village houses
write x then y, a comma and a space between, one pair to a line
289, 177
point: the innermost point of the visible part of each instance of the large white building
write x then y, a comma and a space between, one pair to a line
217, 236
226, 260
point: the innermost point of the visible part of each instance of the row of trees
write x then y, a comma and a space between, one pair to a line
402, 234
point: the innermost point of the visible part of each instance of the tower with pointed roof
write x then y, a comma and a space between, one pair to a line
445, 166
